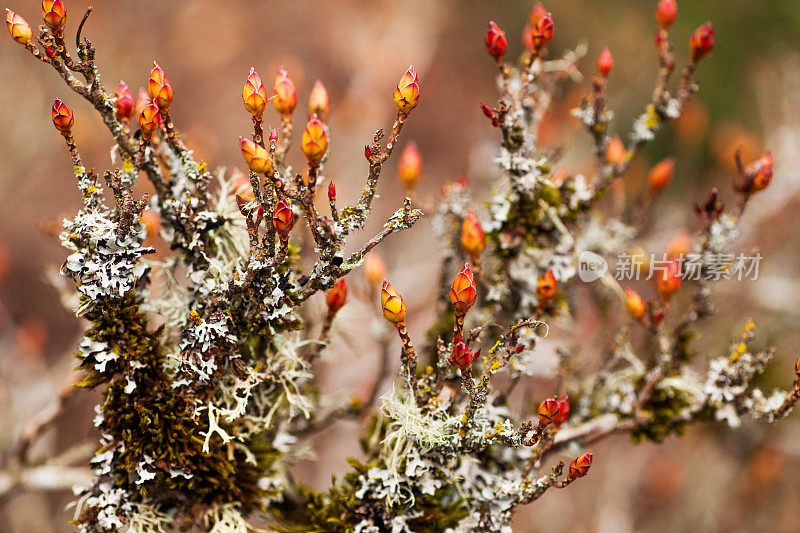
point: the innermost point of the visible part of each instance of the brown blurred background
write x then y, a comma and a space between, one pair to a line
713, 479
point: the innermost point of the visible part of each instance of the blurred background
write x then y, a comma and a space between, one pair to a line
711, 479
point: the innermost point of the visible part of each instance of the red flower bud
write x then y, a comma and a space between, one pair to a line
669, 281
580, 466
496, 43
661, 174
273, 134
463, 292
563, 411
666, 12
331, 191
315, 141
487, 111
546, 287
394, 308
337, 296
406, 95
473, 241
283, 218
702, 41
319, 102
149, 119
54, 13
367, 152
409, 167
19, 29
548, 411
62, 117
123, 103
605, 62
159, 89
542, 31
285, 93
537, 12
757, 176
461, 356
255, 155
254, 95
634, 304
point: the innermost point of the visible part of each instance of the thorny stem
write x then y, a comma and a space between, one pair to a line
173, 139
323, 336
409, 361
44, 420
258, 131
492, 364
791, 400
541, 485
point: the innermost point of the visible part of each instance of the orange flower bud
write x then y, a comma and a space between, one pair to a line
149, 119
337, 296
242, 186
394, 308
152, 223
616, 153
563, 411
285, 93
580, 466
757, 175
254, 95
409, 167
62, 117
315, 141
141, 101
679, 245
661, 174
255, 155
605, 62
666, 12
319, 103
19, 29
54, 13
331, 191
283, 218
797, 367
123, 103
549, 411
461, 356
496, 43
374, 268
159, 89
406, 95
702, 41
669, 281
463, 292
546, 287
542, 31
634, 304
473, 240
